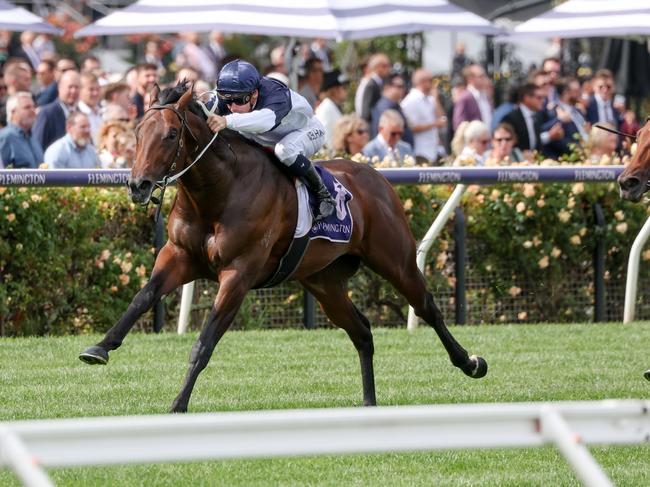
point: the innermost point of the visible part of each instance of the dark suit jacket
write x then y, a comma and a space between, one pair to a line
385, 104
371, 95
516, 119
50, 124
466, 109
592, 113
556, 148
48, 95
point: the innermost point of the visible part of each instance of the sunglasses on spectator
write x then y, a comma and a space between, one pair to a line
361, 131
237, 99
484, 141
502, 139
396, 134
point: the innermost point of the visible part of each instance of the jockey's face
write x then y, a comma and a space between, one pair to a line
246, 107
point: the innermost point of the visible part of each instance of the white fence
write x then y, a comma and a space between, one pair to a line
25, 446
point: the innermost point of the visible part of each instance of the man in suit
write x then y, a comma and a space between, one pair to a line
388, 146
46, 81
50, 121
379, 69
572, 120
525, 119
473, 104
600, 108
392, 95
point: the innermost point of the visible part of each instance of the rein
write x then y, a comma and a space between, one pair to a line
617, 132
168, 178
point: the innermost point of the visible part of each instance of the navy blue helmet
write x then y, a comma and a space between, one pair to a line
236, 80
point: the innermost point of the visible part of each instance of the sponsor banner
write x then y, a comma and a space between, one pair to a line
64, 177
410, 175
502, 174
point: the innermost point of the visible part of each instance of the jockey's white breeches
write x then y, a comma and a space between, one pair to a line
306, 141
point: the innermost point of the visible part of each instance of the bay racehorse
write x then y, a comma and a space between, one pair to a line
232, 221
634, 181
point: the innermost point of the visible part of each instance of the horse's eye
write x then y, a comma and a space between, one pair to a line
172, 134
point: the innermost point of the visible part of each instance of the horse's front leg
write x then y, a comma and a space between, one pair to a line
232, 290
172, 269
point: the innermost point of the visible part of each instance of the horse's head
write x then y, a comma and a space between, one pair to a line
161, 144
633, 181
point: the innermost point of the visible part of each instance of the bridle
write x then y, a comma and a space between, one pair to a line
169, 177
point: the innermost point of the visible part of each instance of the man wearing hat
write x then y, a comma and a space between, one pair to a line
335, 90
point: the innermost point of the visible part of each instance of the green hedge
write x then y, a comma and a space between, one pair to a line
72, 259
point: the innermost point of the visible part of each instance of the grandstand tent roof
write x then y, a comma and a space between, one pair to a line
589, 18
18, 19
339, 19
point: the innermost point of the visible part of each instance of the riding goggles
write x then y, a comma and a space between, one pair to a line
236, 98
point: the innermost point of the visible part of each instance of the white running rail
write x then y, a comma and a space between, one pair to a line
633, 272
427, 242
26, 446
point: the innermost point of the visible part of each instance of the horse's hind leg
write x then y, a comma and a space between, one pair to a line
398, 266
329, 286
169, 272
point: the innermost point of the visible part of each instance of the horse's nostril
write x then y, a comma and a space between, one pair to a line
629, 183
145, 185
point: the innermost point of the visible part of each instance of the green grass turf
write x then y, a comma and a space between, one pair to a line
280, 369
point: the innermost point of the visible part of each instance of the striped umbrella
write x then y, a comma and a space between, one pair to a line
18, 19
589, 18
338, 19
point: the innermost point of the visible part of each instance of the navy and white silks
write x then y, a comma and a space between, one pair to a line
281, 118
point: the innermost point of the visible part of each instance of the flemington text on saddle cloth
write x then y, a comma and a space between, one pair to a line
338, 226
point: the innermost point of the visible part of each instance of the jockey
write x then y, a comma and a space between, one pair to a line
266, 111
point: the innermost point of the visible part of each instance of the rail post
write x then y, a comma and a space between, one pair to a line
461, 256
599, 265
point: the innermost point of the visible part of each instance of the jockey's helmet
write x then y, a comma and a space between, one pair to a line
236, 79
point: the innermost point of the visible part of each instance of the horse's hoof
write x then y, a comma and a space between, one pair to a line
480, 367
94, 356
646, 374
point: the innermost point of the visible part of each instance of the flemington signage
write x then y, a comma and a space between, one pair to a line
445, 176
108, 178
66, 177
18, 178
414, 175
517, 176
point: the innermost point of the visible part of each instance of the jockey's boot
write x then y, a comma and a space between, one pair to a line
304, 169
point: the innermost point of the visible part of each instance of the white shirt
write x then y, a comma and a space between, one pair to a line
483, 105
358, 96
420, 109
605, 112
94, 119
328, 113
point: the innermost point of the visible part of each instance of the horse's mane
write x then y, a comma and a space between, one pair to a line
174, 93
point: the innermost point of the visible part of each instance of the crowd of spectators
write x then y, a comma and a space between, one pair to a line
57, 113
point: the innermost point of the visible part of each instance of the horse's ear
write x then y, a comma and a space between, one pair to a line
186, 98
155, 92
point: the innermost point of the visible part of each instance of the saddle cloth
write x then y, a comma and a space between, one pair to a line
338, 226
335, 228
